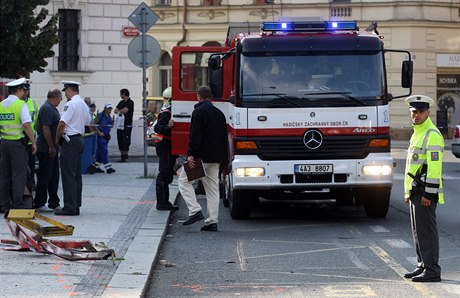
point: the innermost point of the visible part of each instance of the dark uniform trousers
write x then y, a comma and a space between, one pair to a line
165, 171
425, 233
47, 181
13, 174
71, 172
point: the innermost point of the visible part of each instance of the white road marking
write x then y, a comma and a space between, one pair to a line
240, 253
412, 260
398, 243
379, 229
348, 291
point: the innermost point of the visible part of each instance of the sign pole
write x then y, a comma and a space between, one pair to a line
144, 92
143, 17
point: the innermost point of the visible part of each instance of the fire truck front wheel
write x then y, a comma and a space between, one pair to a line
376, 200
239, 203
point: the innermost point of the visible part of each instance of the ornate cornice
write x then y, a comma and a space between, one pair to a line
70, 4
211, 14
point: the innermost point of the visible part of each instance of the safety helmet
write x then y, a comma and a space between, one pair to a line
167, 93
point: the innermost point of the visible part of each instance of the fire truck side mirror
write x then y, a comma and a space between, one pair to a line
406, 74
214, 62
215, 76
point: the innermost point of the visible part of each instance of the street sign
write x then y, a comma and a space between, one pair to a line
152, 51
129, 31
143, 17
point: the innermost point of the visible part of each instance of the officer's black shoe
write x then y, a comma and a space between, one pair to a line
68, 212
194, 218
98, 170
416, 272
209, 228
167, 207
110, 171
427, 276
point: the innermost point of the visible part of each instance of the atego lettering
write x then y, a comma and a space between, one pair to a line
7, 116
363, 130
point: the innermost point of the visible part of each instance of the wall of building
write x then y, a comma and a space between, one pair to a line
425, 28
104, 66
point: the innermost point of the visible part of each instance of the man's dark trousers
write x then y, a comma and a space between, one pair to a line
47, 181
165, 171
71, 172
425, 233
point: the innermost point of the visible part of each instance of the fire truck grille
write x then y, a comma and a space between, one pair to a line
342, 147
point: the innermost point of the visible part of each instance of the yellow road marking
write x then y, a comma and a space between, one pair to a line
400, 270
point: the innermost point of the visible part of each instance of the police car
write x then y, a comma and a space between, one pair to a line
456, 142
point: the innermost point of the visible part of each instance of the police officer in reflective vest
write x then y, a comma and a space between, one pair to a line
14, 123
33, 107
423, 188
166, 159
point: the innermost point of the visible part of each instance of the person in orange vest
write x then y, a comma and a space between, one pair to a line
163, 149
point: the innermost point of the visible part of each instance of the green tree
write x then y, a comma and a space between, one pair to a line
26, 38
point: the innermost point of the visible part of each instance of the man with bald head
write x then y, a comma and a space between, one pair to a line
47, 154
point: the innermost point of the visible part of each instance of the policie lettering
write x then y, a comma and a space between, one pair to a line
7, 116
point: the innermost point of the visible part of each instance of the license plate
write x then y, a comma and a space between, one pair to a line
313, 169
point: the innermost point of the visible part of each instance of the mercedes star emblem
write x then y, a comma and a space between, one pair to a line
313, 139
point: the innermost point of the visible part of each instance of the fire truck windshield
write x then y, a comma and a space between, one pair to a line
294, 80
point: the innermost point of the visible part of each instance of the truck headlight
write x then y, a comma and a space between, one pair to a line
377, 170
250, 172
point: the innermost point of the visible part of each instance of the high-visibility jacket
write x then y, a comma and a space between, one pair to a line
33, 107
10, 121
424, 160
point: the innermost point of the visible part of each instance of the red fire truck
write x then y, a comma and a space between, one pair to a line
307, 107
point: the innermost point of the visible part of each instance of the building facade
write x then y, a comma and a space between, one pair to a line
93, 43
430, 30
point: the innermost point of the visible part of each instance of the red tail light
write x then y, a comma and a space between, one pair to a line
457, 132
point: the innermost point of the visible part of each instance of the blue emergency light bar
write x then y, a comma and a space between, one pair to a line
311, 26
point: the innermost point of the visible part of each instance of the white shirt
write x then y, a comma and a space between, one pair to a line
25, 115
75, 116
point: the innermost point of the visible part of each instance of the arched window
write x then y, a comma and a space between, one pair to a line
165, 71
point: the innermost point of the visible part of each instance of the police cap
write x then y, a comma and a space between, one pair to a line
420, 103
70, 84
27, 83
21, 83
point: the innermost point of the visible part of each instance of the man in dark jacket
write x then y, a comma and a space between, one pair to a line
166, 159
208, 141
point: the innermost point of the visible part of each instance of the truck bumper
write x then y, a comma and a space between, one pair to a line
281, 174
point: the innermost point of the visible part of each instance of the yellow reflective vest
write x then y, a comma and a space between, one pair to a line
33, 107
424, 160
10, 121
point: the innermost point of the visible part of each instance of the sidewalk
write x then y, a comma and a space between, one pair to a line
119, 210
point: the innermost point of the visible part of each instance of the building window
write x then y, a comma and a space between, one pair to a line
163, 2
264, 1
69, 26
165, 71
211, 2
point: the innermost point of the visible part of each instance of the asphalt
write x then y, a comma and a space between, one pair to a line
119, 210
